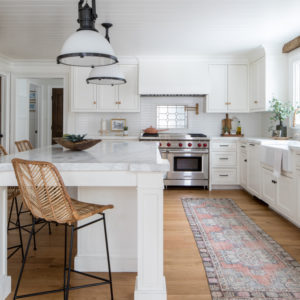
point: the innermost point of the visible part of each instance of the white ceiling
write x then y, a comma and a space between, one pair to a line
36, 29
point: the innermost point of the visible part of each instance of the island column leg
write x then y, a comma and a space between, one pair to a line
5, 281
150, 282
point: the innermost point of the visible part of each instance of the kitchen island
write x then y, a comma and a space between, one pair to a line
127, 174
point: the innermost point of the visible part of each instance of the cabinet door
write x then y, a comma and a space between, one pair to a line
253, 169
107, 98
269, 187
243, 169
84, 96
217, 97
127, 96
258, 85
237, 88
286, 200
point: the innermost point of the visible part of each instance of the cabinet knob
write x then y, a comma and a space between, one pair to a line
227, 103
118, 102
255, 102
95, 102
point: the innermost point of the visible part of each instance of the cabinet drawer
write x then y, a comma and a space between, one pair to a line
224, 159
223, 146
224, 176
297, 161
243, 148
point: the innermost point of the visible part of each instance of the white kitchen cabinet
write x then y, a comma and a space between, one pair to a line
268, 80
237, 88
269, 187
228, 88
253, 169
83, 95
217, 97
243, 169
258, 85
226, 176
98, 98
286, 200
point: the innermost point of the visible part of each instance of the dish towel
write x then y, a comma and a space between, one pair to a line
277, 162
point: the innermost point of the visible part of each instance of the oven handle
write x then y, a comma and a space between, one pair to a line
184, 152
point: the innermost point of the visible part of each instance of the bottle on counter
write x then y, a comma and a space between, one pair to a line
239, 128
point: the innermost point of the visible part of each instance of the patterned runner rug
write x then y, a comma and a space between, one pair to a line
240, 259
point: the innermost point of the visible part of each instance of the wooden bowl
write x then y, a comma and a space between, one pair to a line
82, 145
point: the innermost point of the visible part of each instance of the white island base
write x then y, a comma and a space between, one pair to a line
135, 225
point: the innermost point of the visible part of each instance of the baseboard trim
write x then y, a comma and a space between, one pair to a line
5, 287
151, 294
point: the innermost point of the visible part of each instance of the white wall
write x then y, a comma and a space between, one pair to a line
210, 124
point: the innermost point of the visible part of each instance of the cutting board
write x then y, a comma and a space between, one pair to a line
226, 123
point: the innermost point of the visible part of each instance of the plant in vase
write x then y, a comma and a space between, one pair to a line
280, 112
125, 130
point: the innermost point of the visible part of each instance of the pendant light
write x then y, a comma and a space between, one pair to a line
87, 47
106, 75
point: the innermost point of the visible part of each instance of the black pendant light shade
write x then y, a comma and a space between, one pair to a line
87, 47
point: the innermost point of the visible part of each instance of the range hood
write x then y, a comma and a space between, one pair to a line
173, 77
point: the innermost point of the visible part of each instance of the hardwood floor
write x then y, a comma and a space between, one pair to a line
186, 279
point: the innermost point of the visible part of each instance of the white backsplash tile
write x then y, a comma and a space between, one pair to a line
253, 124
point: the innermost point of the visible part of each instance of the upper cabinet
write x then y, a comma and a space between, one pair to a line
228, 88
173, 77
95, 98
268, 79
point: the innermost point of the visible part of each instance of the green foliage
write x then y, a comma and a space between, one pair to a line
281, 110
125, 128
74, 138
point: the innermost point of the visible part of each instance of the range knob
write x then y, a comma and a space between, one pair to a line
190, 144
199, 145
169, 144
159, 144
180, 144
205, 145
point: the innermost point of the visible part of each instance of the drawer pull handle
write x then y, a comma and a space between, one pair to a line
245, 160
274, 181
223, 158
223, 175
252, 145
243, 146
224, 145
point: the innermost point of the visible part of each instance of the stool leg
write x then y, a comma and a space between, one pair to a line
10, 213
24, 260
49, 228
34, 240
65, 258
70, 262
19, 228
108, 259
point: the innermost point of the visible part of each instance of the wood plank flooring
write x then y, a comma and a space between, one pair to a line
185, 275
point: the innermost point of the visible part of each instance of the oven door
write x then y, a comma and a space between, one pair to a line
188, 165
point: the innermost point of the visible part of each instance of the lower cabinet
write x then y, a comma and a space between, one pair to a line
253, 169
269, 187
286, 199
243, 169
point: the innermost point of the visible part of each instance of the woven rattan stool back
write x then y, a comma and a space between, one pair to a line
43, 191
23, 145
2, 151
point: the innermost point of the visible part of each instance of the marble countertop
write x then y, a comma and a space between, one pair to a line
130, 156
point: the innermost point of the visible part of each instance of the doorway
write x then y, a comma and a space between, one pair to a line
39, 110
57, 113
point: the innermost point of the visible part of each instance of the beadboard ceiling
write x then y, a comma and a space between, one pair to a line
36, 29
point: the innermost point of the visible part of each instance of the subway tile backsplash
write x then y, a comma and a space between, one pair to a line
253, 124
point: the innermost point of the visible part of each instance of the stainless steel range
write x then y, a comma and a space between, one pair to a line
188, 155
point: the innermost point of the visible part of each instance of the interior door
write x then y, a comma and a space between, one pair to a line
57, 113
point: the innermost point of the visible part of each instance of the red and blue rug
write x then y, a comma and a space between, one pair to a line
241, 261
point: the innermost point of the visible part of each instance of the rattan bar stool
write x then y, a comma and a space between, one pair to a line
25, 145
12, 194
45, 195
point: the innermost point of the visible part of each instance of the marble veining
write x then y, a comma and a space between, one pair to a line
105, 156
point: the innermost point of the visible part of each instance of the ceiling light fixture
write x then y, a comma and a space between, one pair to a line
106, 75
87, 47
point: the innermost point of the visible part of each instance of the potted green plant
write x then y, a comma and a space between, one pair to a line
125, 130
280, 112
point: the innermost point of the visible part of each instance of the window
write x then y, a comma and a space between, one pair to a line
296, 88
171, 116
